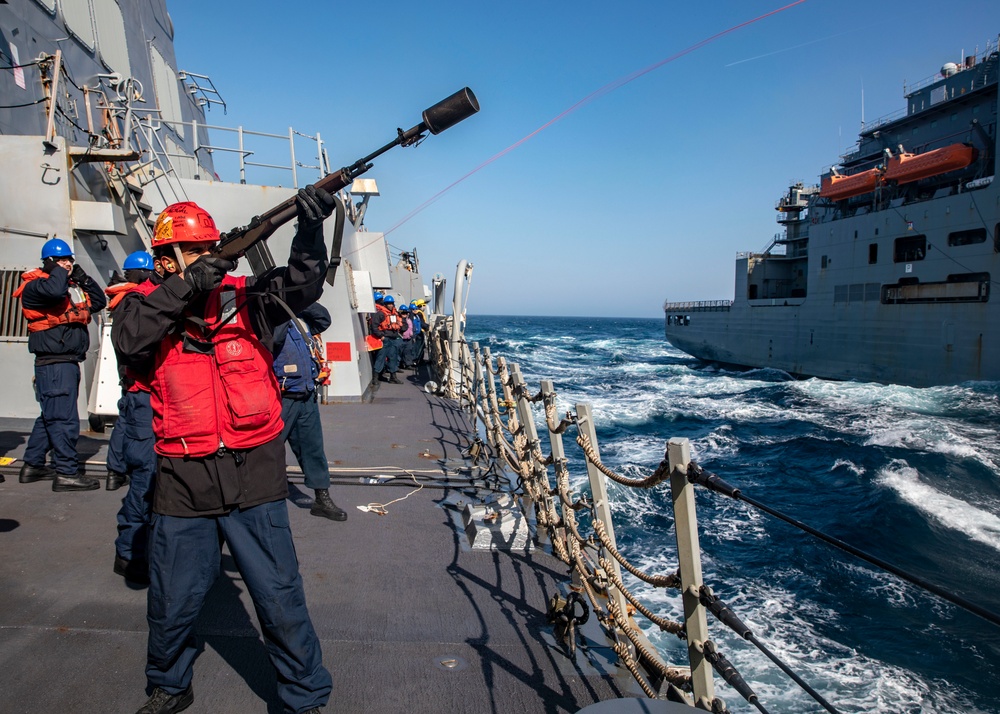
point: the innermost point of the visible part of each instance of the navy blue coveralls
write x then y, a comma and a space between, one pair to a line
297, 371
58, 352
236, 497
392, 344
130, 451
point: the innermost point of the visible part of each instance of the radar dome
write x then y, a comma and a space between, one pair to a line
948, 69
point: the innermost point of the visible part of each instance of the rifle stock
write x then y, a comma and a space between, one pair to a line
236, 243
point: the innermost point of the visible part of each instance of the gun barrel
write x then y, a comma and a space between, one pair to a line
443, 115
449, 112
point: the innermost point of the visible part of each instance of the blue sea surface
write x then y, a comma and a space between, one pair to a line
911, 476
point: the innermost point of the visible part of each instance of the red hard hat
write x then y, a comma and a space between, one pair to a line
185, 222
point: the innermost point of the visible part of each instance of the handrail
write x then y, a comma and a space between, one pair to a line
493, 391
698, 305
239, 148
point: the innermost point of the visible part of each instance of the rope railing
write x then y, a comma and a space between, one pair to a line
504, 402
579, 531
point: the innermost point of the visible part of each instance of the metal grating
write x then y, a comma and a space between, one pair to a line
12, 322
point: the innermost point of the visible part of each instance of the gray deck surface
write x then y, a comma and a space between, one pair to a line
391, 596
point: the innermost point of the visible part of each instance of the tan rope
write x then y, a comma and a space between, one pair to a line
671, 626
661, 474
668, 673
660, 581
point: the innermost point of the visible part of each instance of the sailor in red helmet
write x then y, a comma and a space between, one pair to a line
205, 340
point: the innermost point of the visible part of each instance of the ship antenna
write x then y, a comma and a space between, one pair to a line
862, 103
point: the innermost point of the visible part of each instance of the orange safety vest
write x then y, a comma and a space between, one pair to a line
393, 321
117, 292
65, 313
228, 397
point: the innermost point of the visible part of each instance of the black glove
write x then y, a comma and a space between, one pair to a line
48, 265
78, 275
207, 272
314, 205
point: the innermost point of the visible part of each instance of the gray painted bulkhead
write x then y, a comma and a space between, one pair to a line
53, 193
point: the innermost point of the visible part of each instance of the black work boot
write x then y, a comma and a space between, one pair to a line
75, 482
163, 703
324, 506
116, 481
31, 473
393, 379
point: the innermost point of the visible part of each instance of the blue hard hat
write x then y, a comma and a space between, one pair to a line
378, 295
413, 306
139, 259
389, 299
56, 248
404, 308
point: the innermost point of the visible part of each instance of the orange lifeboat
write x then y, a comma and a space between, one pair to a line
907, 168
840, 187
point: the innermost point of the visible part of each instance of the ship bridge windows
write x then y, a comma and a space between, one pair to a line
98, 25
976, 235
909, 249
78, 20
167, 92
111, 36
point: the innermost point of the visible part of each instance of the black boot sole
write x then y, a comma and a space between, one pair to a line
66, 487
332, 515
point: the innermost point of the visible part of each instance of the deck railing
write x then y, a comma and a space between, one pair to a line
578, 528
698, 306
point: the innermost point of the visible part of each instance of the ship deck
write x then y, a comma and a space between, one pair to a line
410, 618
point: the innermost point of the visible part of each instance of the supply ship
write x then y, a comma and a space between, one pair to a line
884, 271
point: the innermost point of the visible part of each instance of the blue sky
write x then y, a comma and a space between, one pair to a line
643, 194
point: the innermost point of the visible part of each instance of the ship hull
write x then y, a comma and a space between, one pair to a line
925, 322
935, 345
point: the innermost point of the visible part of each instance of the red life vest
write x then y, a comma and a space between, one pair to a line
66, 312
392, 321
117, 292
226, 398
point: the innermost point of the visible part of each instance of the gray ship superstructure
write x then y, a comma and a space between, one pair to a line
884, 272
100, 129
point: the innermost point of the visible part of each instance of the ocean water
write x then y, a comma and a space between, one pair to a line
909, 475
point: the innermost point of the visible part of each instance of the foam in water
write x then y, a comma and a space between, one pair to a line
759, 429
951, 512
